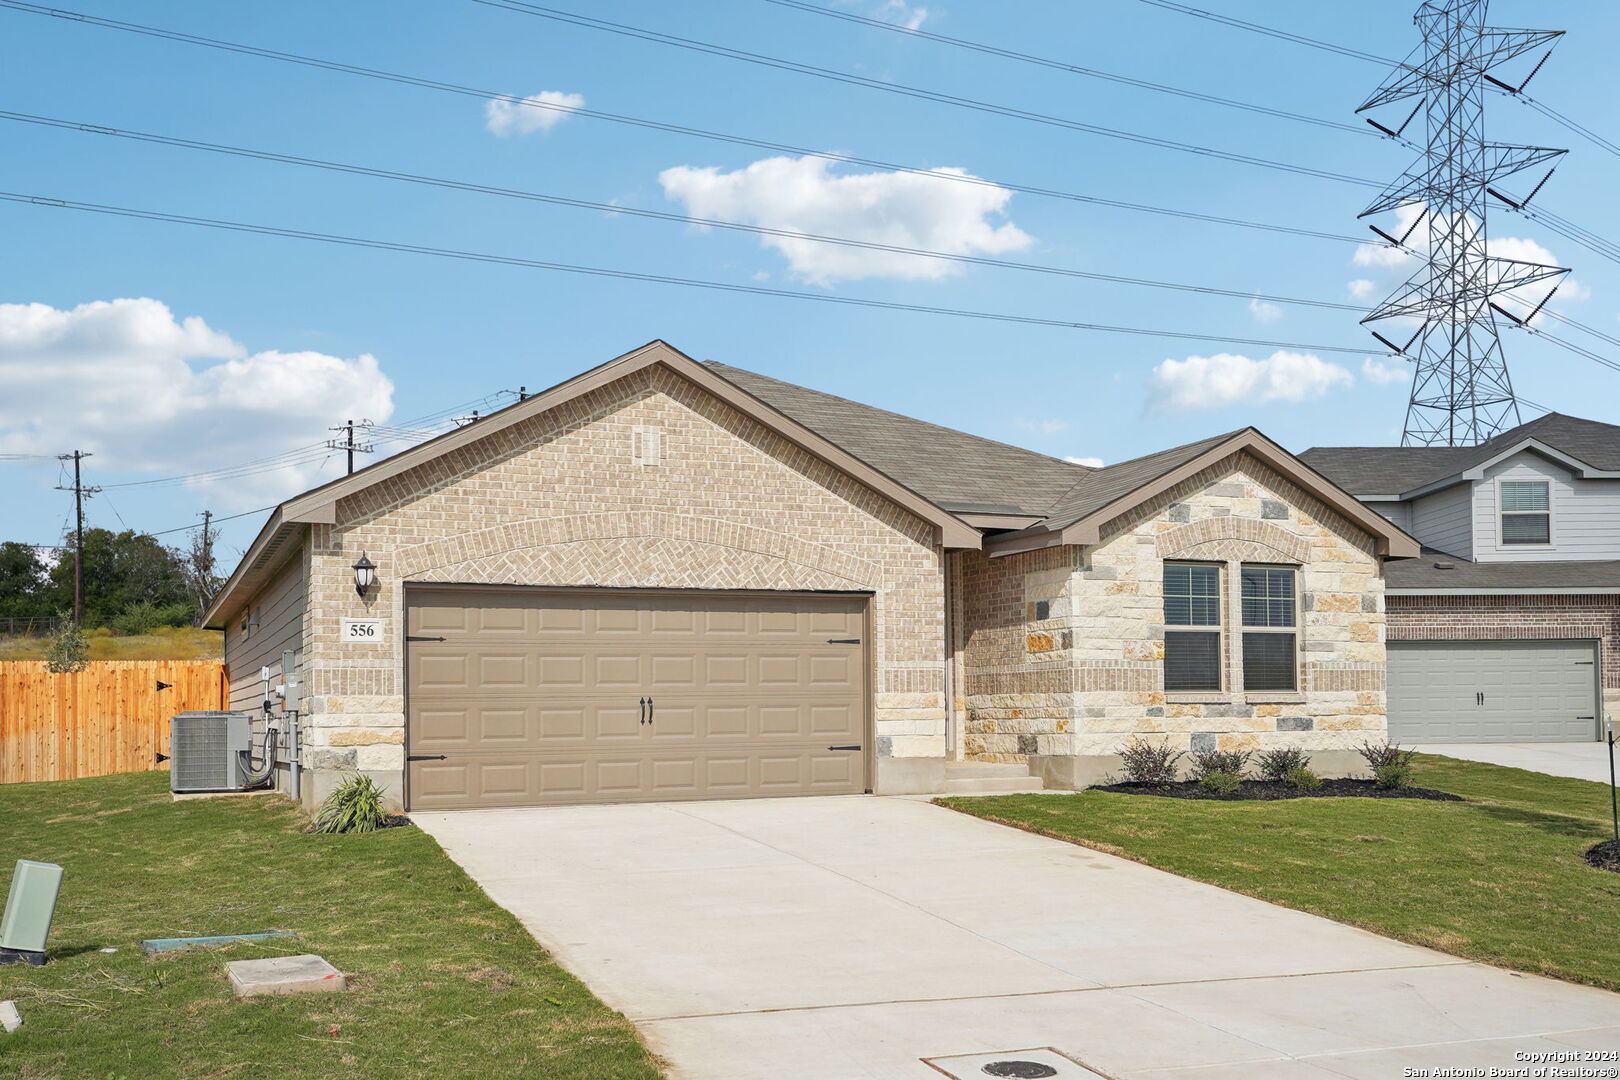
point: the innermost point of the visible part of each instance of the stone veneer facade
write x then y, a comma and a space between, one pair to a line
1493, 618
561, 500
1060, 651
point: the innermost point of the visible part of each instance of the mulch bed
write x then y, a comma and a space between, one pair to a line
1604, 856
1276, 789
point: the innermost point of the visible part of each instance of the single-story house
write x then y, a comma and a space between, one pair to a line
1507, 629
665, 579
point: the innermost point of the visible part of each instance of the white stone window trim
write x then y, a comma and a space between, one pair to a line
1297, 630
1552, 525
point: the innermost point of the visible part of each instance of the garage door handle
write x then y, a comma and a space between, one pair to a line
843, 641
1586, 718
857, 746
424, 757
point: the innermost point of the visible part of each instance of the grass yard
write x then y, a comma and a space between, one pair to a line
1498, 878
166, 643
444, 984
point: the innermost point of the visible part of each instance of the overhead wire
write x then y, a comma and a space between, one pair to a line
661, 215
1075, 69
651, 278
745, 56
953, 176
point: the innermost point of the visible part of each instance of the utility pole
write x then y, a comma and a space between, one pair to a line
347, 443
80, 493
1461, 393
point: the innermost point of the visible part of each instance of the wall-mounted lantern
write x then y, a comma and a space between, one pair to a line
365, 575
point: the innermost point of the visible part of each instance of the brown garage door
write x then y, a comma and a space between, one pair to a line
530, 697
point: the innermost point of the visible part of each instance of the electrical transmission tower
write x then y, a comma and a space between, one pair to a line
1461, 393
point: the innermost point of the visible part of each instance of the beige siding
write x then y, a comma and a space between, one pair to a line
279, 610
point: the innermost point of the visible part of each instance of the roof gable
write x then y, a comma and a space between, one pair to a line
1118, 489
1591, 447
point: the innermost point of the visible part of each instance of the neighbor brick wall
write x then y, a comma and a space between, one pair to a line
558, 500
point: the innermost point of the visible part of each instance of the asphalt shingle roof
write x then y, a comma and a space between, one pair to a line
1394, 470
1103, 486
1424, 573
947, 467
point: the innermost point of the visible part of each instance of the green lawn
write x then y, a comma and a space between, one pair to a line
1497, 878
444, 984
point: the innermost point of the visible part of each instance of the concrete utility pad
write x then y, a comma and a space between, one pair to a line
1581, 760
860, 938
285, 975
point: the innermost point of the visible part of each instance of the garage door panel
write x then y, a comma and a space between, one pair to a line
536, 698
1492, 691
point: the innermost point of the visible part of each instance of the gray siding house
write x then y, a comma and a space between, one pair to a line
1507, 628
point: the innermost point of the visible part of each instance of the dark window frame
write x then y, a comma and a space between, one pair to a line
1267, 617
1195, 621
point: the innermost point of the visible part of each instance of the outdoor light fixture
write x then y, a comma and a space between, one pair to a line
365, 574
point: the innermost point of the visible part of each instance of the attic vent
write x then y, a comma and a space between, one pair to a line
1445, 566
648, 446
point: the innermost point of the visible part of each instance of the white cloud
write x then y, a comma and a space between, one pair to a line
1362, 289
1088, 462
1211, 382
147, 392
1043, 427
1382, 374
904, 209
1264, 312
541, 112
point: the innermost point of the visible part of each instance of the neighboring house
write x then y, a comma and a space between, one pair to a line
1506, 629
663, 579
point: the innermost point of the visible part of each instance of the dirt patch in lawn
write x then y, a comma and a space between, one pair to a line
1266, 790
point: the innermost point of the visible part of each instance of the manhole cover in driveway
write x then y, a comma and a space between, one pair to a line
1023, 1070
1042, 1063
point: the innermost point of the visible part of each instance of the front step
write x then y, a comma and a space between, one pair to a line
988, 778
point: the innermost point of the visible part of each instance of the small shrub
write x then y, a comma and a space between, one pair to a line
355, 806
1275, 765
1220, 783
145, 617
1205, 762
1378, 755
1149, 763
1301, 778
68, 650
1392, 776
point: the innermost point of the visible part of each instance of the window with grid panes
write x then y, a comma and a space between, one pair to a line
1270, 628
1192, 626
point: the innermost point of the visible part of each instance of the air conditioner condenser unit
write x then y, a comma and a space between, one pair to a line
207, 750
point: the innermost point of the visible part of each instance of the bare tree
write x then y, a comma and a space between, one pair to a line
201, 566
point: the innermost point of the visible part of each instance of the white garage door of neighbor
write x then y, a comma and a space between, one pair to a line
1492, 691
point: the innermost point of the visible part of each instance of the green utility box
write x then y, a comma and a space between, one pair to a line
29, 908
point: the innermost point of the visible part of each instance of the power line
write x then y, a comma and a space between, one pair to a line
1258, 28
660, 279
675, 129
1059, 65
216, 521
920, 93
657, 215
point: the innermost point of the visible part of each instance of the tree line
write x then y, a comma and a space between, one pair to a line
133, 583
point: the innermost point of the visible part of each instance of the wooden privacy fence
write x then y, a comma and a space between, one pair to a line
111, 717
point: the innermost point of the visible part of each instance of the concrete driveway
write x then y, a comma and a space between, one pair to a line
859, 938
1582, 760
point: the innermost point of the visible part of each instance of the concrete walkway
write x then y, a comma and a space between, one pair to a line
1582, 760
861, 938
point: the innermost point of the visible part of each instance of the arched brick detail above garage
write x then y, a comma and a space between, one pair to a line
1233, 539
636, 548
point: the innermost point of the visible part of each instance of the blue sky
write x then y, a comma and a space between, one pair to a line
252, 345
